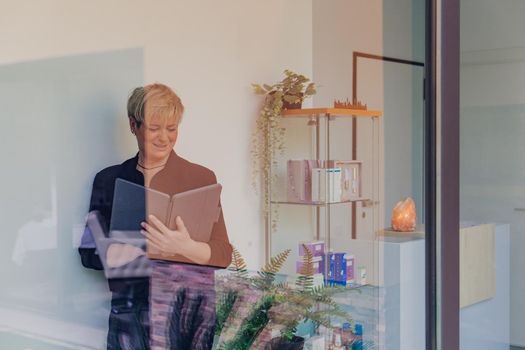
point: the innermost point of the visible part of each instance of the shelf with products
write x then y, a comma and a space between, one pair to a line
320, 204
305, 180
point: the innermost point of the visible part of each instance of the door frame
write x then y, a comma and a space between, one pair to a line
442, 174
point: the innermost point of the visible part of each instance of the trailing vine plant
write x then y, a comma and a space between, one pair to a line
268, 139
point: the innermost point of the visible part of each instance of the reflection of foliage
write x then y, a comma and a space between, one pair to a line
283, 305
224, 307
305, 301
139, 336
227, 300
268, 139
251, 327
174, 320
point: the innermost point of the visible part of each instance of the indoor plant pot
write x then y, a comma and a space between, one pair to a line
294, 105
280, 343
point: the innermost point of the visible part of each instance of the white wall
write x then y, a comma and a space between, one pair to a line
492, 125
339, 30
208, 51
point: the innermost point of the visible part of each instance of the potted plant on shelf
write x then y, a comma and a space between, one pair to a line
268, 138
280, 306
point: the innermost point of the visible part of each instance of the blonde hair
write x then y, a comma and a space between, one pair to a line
155, 99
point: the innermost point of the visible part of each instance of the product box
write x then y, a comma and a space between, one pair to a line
299, 179
350, 269
323, 181
326, 185
315, 247
336, 267
341, 267
318, 265
350, 177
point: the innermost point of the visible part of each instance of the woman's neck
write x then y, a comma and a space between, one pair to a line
150, 164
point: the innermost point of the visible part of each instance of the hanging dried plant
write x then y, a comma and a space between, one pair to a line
268, 138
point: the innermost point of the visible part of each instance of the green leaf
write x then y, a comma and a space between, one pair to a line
291, 98
277, 96
258, 89
295, 90
310, 89
268, 87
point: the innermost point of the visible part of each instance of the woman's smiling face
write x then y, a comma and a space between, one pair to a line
156, 137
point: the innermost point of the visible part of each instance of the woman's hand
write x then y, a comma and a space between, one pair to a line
170, 242
166, 241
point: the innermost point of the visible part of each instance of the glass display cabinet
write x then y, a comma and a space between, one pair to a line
326, 183
325, 192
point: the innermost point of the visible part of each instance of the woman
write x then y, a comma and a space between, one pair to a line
154, 113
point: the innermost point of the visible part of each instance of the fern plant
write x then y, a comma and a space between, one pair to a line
238, 265
306, 301
305, 280
266, 277
283, 304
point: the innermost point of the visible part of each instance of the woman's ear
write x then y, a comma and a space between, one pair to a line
132, 125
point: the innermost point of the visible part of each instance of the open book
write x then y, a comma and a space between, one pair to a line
122, 250
198, 208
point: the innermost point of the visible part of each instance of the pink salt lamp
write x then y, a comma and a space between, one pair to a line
404, 216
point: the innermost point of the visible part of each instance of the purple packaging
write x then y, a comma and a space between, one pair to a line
299, 179
315, 247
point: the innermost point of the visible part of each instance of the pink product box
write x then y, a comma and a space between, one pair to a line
315, 247
318, 264
350, 268
299, 179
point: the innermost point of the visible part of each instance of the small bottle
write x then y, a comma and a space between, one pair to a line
322, 332
362, 275
358, 340
338, 344
347, 334
330, 337
336, 330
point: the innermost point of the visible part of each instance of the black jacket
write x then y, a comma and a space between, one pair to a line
178, 175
